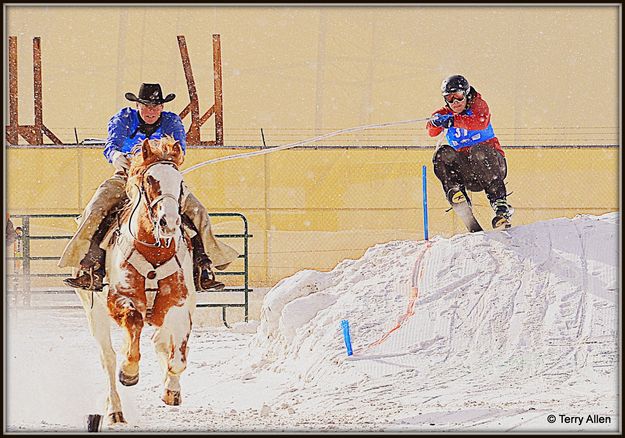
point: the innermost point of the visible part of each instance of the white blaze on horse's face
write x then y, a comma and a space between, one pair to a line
165, 183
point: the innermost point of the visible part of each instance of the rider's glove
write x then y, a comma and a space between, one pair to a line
443, 120
120, 161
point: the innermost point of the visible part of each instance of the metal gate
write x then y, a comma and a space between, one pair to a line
32, 271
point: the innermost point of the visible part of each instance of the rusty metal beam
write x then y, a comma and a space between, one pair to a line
218, 106
33, 134
29, 133
193, 108
50, 135
193, 136
12, 133
185, 111
207, 115
37, 90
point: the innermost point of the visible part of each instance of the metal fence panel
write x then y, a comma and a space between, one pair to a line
33, 272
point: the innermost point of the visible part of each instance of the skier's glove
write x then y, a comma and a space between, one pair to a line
120, 161
443, 120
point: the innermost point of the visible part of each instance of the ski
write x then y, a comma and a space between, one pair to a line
462, 208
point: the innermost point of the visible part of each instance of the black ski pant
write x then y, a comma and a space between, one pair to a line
482, 168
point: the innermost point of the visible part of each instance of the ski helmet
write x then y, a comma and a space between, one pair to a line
454, 84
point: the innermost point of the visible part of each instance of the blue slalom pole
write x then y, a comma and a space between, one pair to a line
348, 340
425, 201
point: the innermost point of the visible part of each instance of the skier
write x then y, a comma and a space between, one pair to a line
125, 129
472, 159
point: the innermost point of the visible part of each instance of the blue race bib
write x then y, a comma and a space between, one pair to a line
461, 138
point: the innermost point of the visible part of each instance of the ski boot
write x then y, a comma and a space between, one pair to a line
503, 212
461, 204
457, 195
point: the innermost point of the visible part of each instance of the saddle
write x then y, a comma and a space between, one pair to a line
107, 235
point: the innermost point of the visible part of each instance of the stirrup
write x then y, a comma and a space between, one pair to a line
88, 279
205, 279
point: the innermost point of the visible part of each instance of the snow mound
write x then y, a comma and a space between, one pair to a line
507, 328
519, 309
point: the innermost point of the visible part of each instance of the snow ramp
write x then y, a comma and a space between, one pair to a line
508, 327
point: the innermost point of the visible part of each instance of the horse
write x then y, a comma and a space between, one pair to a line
149, 276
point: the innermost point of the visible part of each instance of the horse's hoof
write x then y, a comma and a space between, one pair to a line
172, 398
94, 422
127, 380
116, 417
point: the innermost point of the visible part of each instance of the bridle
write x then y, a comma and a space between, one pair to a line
153, 203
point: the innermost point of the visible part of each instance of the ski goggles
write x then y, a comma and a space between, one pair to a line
452, 97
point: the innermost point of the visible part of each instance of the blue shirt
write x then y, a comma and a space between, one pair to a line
123, 131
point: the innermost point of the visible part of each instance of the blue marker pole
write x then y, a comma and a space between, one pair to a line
348, 340
425, 202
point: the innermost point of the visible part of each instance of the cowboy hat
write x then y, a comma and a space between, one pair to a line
150, 94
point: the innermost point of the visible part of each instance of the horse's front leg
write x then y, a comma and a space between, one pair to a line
100, 327
170, 343
130, 318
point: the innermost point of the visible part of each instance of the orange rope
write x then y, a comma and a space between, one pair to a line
414, 293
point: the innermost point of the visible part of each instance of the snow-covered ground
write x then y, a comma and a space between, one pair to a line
508, 327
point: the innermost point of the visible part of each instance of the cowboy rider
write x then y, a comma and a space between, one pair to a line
125, 129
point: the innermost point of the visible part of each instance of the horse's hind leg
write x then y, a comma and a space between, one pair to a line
170, 342
100, 327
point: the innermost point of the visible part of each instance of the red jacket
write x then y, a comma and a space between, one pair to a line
477, 120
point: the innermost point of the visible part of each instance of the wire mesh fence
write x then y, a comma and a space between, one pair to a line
312, 207
399, 136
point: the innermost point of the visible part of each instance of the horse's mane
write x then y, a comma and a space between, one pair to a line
161, 150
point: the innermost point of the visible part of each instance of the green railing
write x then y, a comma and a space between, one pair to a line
19, 281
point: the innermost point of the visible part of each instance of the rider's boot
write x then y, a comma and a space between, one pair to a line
92, 267
91, 274
203, 275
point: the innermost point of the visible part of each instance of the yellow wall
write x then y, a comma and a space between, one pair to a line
310, 209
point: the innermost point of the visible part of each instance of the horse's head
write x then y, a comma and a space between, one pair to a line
155, 172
